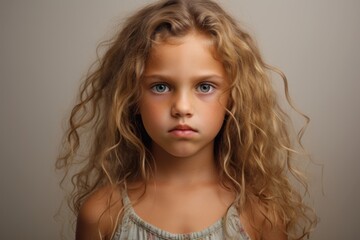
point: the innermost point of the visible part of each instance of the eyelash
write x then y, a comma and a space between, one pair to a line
153, 88
211, 89
167, 88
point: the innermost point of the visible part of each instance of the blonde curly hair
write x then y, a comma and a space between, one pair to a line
254, 149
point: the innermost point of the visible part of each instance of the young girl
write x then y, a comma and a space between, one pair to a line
187, 138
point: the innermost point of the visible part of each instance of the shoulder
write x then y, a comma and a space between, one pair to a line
261, 223
98, 214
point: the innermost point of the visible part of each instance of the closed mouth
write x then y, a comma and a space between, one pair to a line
183, 128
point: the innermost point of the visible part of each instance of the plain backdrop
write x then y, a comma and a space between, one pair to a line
46, 47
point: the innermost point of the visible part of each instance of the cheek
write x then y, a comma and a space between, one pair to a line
152, 114
214, 114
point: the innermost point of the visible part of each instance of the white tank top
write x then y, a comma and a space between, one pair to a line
132, 227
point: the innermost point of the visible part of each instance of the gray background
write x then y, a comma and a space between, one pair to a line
46, 48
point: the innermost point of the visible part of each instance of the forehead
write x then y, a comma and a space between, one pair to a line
191, 54
192, 39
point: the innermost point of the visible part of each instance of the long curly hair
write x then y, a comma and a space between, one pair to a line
254, 149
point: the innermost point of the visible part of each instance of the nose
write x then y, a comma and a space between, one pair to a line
182, 105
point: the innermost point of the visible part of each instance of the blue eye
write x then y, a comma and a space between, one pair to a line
205, 88
160, 88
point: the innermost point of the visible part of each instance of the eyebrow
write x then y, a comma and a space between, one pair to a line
198, 78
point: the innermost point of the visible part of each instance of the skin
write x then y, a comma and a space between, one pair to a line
183, 108
184, 94
183, 85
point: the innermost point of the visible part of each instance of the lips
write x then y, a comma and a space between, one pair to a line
183, 128
183, 131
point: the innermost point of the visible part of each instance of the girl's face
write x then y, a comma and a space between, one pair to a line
183, 96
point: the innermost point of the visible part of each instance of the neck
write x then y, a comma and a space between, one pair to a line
197, 168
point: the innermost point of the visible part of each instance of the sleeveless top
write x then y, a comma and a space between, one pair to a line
132, 227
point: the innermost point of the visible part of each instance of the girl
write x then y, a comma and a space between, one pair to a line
187, 138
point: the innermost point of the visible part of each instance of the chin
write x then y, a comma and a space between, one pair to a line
180, 150
181, 153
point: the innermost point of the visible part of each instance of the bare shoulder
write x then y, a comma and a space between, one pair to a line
98, 214
261, 223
